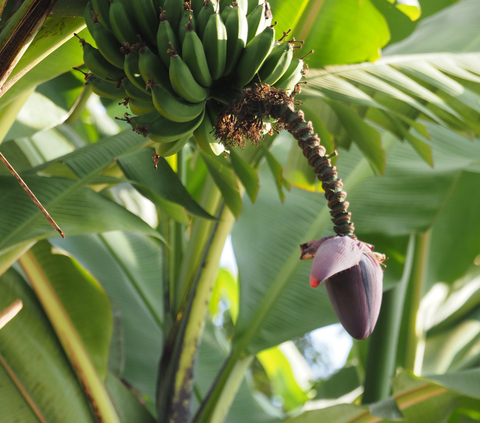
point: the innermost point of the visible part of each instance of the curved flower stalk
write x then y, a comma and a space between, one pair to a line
351, 270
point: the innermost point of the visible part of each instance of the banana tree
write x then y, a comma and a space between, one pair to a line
130, 319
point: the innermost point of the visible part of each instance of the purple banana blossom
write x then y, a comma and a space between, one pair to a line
353, 278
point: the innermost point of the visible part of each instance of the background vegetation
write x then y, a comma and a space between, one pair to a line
137, 280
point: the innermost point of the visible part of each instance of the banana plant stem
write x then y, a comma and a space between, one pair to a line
209, 199
175, 384
382, 347
410, 353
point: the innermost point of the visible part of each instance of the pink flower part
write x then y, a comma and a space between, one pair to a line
335, 255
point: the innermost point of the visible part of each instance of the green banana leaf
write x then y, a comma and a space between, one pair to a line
129, 267
31, 355
451, 26
57, 53
162, 181
346, 32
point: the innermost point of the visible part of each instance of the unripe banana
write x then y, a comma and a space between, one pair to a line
131, 67
102, 10
252, 4
108, 45
194, 57
97, 64
243, 5
171, 148
205, 138
256, 22
133, 92
222, 4
140, 108
225, 13
237, 32
183, 81
162, 130
276, 63
152, 69
197, 6
215, 45
174, 12
147, 19
88, 16
292, 75
188, 18
123, 26
166, 38
173, 107
105, 88
254, 55
206, 11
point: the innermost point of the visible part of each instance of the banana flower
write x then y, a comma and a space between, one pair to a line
353, 277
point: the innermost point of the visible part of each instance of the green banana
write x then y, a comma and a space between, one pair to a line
140, 108
215, 45
188, 18
252, 4
196, 6
254, 55
174, 11
102, 10
243, 5
166, 39
222, 4
97, 64
292, 75
133, 92
105, 88
108, 45
131, 67
194, 57
174, 108
205, 139
256, 22
88, 16
123, 26
183, 81
237, 32
152, 69
226, 12
277, 63
209, 8
160, 129
171, 148
146, 16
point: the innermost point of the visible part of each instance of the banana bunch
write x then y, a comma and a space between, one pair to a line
178, 63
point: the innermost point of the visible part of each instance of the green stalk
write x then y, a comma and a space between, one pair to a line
175, 384
230, 389
410, 352
209, 200
382, 347
178, 233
